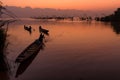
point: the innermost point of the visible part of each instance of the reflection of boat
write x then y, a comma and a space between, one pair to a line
43, 30
29, 51
24, 65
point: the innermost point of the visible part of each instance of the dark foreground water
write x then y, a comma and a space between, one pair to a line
72, 51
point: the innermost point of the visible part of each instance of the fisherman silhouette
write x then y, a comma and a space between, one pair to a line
41, 37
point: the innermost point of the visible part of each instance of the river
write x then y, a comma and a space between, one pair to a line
72, 51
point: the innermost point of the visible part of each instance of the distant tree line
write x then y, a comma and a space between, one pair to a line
114, 20
63, 18
115, 17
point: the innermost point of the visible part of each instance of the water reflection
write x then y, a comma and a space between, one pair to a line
77, 50
116, 27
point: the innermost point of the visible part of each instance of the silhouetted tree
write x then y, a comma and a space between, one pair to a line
113, 17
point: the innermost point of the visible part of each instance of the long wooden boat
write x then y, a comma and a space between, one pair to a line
29, 51
25, 64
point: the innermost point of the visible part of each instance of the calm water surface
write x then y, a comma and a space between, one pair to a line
72, 51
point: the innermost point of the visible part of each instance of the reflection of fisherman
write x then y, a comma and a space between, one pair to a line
41, 37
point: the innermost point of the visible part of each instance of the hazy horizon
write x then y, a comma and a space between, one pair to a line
30, 8
34, 12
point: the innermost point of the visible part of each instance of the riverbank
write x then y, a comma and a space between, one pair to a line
2, 40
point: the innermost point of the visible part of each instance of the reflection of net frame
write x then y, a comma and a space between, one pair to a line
6, 12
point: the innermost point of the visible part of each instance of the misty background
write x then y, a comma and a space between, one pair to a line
27, 12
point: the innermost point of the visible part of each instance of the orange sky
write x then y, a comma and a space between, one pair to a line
65, 4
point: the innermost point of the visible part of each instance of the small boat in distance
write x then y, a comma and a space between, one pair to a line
27, 28
30, 50
43, 30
